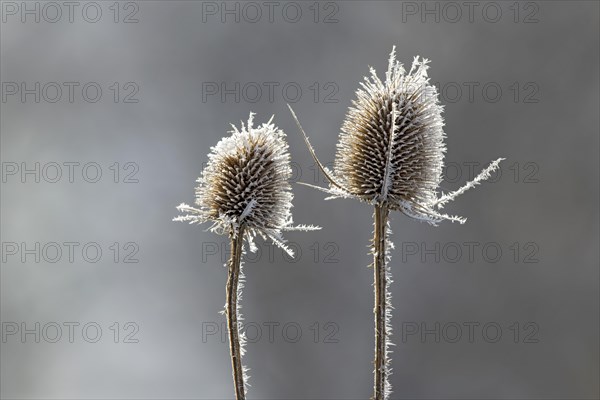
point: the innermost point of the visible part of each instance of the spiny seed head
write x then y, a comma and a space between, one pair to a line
246, 179
391, 146
246, 182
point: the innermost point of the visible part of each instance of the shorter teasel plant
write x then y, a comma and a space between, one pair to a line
244, 191
390, 155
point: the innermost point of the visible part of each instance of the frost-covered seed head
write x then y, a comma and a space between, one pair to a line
246, 179
391, 146
246, 182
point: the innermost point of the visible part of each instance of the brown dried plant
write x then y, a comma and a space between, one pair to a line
244, 191
390, 155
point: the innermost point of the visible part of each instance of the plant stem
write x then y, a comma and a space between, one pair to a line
380, 283
231, 311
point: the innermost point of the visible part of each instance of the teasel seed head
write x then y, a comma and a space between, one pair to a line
246, 181
391, 146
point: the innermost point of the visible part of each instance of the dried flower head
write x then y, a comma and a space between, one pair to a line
391, 147
246, 182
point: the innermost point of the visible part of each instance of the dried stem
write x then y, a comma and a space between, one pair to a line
381, 303
232, 311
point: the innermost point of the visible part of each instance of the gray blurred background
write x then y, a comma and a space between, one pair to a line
512, 295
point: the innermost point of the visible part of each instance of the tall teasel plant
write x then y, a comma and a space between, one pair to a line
390, 155
244, 191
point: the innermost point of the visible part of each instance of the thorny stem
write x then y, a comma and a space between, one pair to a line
380, 283
231, 311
